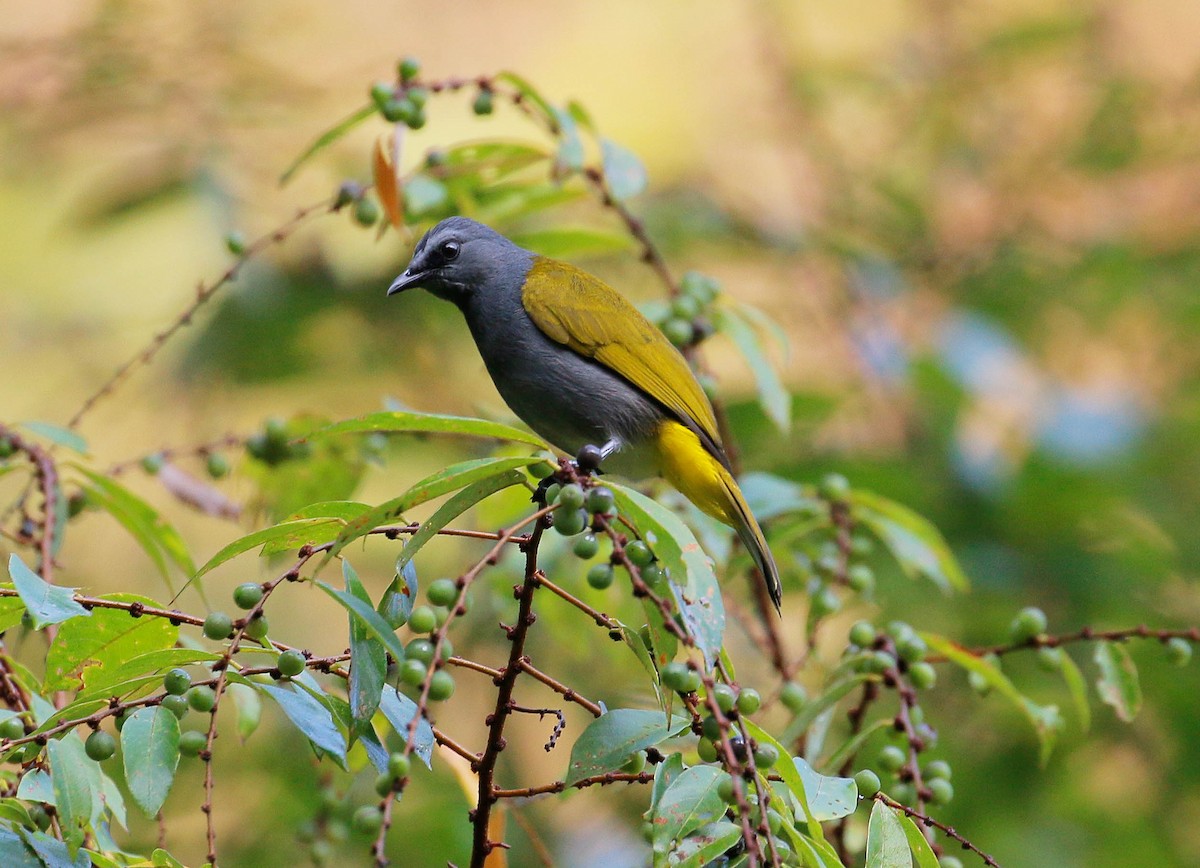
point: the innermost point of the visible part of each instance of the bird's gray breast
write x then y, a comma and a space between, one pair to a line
566, 398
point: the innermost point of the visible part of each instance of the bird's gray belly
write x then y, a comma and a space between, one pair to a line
570, 400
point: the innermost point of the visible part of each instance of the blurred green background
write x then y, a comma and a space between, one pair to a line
979, 225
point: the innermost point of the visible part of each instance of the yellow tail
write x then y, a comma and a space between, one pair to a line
703, 480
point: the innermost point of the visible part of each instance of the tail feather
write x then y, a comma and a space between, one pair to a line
705, 481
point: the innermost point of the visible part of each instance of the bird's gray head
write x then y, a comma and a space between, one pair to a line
459, 257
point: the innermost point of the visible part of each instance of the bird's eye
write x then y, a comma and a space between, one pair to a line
449, 251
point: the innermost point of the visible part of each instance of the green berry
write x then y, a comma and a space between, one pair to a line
765, 756
774, 821
418, 96
177, 682
256, 628
706, 750
825, 602
12, 728
443, 592
868, 783
861, 545
100, 745
551, 493
398, 111
724, 696
291, 663
891, 758
422, 620
235, 242
680, 332
152, 463
569, 522
571, 496
935, 769
912, 649
600, 500
417, 120
177, 705
922, 675
711, 729
484, 103
655, 577
685, 307
217, 465
192, 742
247, 595
700, 287
880, 662
941, 791
202, 698
793, 696
862, 634
7, 448
366, 212
1179, 650
419, 649
384, 784
748, 701
1030, 622
412, 672
381, 92
368, 819
1049, 659
441, 686
861, 578
600, 576
639, 553
904, 793
409, 68
218, 626
586, 546
680, 677
834, 487
398, 766
725, 790
635, 763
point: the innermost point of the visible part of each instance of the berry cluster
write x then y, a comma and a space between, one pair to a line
686, 321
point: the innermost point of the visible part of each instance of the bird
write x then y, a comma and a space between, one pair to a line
585, 369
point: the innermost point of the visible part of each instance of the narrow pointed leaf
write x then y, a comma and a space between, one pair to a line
399, 422
1118, 683
310, 717
689, 802
327, 138
72, 790
368, 660
924, 854
887, 845
705, 845
399, 711
914, 542
150, 752
371, 621
624, 174
58, 435
774, 398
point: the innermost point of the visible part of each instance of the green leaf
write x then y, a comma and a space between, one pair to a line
914, 542
788, 773
460, 503
568, 242
11, 611
337, 513
490, 474
47, 604
52, 852
633, 639
327, 138
692, 578
368, 661
372, 622
688, 803
150, 753
829, 797
102, 680
664, 775
1118, 683
926, 858
156, 536
1044, 718
283, 530
400, 710
705, 845
529, 93
398, 600
249, 708
58, 435
887, 845
624, 174
72, 790
833, 694
15, 853
569, 157
1077, 688
849, 748
609, 740
769, 496
427, 423
772, 396
106, 641
310, 717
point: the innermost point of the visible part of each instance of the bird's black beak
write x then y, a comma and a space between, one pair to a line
405, 281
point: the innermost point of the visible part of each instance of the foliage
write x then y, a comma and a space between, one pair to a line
715, 772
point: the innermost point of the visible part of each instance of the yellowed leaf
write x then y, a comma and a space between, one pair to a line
387, 184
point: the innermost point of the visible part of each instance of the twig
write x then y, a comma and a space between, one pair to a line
927, 821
